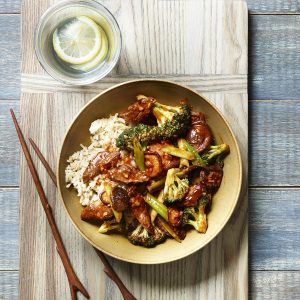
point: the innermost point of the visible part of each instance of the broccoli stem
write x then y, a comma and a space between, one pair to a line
199, 161
153, 212
156, 185
178, 152
138, 155
183, 161
160, 208
217, 150
108, 226
117, 214
168, 228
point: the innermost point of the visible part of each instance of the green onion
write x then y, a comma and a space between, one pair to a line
160, 208
178, 152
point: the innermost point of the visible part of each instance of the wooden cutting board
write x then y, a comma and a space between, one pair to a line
201, 44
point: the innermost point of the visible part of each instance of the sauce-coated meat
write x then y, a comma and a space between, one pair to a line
211, 177
127, 174
153, 164
140, 211
174, 216
138, 111
193, 195
96, 212
100, 164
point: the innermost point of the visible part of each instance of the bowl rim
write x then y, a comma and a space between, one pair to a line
41, 59
233, 206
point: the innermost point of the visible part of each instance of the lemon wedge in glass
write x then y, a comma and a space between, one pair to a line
78, 41
98, 58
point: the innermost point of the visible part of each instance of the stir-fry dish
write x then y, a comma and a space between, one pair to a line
150, 172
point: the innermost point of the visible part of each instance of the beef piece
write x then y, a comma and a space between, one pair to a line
153, 164
102, 162
127, 174
174, 216
96, 212
193, 195
140, 211
138, 111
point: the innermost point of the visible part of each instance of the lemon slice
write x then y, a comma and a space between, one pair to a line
78, 41
98, 58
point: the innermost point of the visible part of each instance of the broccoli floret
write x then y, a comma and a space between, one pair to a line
140, 236
173, 120
196, 217
216, 151
141, 132
175, 188
109, 226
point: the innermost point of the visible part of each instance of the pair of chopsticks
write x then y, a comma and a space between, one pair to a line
74, 282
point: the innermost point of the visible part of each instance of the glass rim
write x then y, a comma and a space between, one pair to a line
80, 81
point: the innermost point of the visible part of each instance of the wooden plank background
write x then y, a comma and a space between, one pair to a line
272, 275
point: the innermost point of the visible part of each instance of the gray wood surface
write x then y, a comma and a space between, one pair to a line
9, 146
9, 285
10, 56
254, 6
274, 72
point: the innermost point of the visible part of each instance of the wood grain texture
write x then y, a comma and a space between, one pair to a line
10, 7
9, 229
274, 6
275, 57
150, 49
276, 285
274, 233
272, 285
274, 130
10, 57
9, 285
9, 148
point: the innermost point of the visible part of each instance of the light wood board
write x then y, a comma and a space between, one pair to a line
202, 44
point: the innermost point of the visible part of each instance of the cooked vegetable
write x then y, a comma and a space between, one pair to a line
156, 185
153, 212
199, 136
216, 151
109, 226
196, 217
117, 214
160, 208
153, 164
172, 122
172, 150
119, 198
199, 161
183, 161
140, 236
169, 229
138, 155
175, 188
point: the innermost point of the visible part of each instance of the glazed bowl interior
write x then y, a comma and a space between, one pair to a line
115, 100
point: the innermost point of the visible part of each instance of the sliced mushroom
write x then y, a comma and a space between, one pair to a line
100, 164
168, 161
153, 164
119, 198
96, 212
200, 136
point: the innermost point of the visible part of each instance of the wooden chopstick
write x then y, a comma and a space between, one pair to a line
109, 271
74, 282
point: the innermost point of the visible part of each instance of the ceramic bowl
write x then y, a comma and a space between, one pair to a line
116, 99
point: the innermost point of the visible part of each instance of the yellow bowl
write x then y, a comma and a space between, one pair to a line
115, 100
